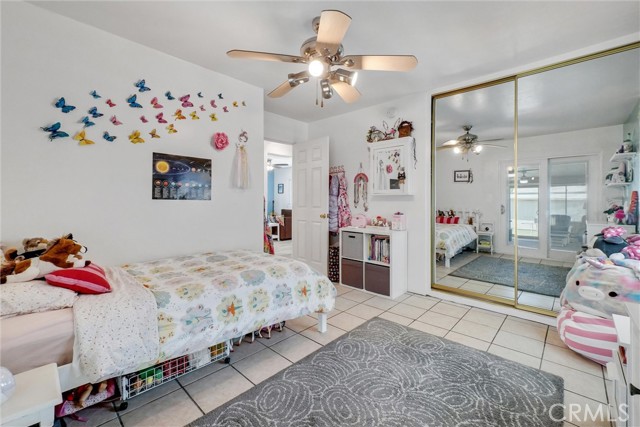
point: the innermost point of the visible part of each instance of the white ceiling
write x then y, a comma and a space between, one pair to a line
453, 41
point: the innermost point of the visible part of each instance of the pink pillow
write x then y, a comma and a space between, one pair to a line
440, 219
83, 280
456, 219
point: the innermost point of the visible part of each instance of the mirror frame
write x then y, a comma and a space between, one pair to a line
511, 78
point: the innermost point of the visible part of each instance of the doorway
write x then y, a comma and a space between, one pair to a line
278, 194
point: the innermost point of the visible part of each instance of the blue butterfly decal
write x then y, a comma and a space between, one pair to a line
220, 96
95, 94
86, 122
55, 131
169, 96
200, 95
141, 87
94, 113
132, 102
62, 104
108, 137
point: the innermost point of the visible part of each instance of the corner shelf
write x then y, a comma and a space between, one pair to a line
623, 156
618, 184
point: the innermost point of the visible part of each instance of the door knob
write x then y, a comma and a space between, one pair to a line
323, 216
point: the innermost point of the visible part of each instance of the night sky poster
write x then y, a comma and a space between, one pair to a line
181, 177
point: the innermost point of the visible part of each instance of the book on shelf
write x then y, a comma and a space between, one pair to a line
379, 249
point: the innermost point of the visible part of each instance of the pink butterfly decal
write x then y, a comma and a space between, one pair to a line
225, 109
185, 101
155, 104
160, 119
143, 119
202, 108
110, 103
213, 103
115, 121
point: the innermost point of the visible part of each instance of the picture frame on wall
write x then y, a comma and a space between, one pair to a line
391, 166
462, 175
280, 188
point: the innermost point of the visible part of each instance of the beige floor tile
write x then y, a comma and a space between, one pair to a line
568, 264
430, 329
536, 331
407, 310
260, 366
402, 297
342, 289
580, 416
440, 320
218, 388
507, 256
323, 338
551, 262
468, 341
96, 415
343, 303
530, 260
556, 305
484, 317
579, 382
112, 423
296, 347
566, 357
554, 339
301, 323
452, 281
358, 296
364, 311
381, 303
174, 409
246, 349
535, 300
396, 318
519, 343
193, 376
421, 302
276, 336
346, 321
453, 310
477, 287
330, 314
502, 291
476, 330
516, 356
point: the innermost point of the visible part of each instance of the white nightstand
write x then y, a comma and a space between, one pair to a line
484, 241
37, 393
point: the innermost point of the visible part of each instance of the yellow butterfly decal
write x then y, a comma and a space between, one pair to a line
135, 137
235, 103
194, 116
154, 134
171, 129
178, 115
213, 117
80, 136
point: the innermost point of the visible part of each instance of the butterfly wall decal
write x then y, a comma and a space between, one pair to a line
155, 104
213, 117
171, 129
169, 96
110, 103
154, 134
135, 137
132, 101
185, 101
54, 131
86, 122
178, 115
200, 95
225, 109
141, 86
80, 136
213, 103
194, 116
202, 108
108, 137
220, 96
94, 112
95, 94
115, 121
62, 104
160, 118
235, 103
143, 119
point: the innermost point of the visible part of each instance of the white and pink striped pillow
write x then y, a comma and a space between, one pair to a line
84, 280
591, 336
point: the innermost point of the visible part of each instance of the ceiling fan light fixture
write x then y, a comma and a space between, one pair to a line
523, 181
346, 76
457, 150
477, 149
298, 78
325, 87
316, 68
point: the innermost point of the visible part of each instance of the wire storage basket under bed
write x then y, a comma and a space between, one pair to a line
133, 384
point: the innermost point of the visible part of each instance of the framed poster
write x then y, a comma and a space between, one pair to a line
280, 188
462, 176
180, 177
391, 163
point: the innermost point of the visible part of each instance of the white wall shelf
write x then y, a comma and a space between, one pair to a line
617, 157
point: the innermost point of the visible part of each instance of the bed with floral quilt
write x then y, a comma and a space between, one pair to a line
451, 239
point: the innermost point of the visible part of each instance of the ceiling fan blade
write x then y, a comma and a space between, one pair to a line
380, 62
451, 143
444, 147
347, 92
488, 140
493, 145
265, 56
281, 90
331, 30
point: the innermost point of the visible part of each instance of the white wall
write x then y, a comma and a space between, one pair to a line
283, 129
349, 147
102, 192
282, 201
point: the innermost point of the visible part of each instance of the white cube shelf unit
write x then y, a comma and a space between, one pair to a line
374, 259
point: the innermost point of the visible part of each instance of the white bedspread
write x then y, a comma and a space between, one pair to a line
451, 238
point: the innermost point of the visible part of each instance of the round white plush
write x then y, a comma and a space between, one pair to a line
7, 384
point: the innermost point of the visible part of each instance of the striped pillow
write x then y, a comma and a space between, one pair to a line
83, 280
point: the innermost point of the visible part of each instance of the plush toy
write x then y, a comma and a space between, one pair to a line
60, 253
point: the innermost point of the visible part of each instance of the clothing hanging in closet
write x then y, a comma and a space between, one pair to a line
339, 210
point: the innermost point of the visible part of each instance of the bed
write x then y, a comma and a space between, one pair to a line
451, 239
162, 309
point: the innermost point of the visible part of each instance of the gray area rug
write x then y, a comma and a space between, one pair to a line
385, 374
538, 278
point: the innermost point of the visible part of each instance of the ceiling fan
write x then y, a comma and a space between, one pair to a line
324, 52
468, 143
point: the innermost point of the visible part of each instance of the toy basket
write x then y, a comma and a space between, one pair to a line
69, 406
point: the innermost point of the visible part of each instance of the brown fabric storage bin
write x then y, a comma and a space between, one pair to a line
352, 273
378, 279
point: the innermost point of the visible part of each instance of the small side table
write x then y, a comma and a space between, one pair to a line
483, 238
276, 235
37, 393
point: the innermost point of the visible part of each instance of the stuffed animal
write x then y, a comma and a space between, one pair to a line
60, 253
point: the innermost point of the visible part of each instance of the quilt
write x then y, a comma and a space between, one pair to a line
451, 238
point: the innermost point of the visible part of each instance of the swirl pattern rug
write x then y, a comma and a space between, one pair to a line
385, 374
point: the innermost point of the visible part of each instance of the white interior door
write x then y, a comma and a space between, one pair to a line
310, 232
